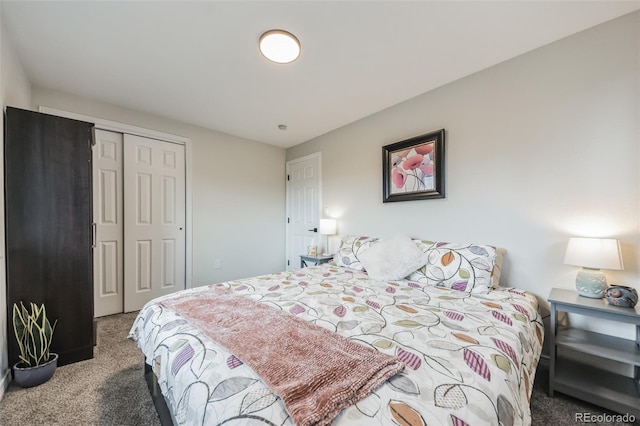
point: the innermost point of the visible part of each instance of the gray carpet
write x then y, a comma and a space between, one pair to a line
107, 390
110, 390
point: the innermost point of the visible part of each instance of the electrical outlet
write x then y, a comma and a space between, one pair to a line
216, 264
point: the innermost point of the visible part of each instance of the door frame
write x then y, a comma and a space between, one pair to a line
287, 197
147, 133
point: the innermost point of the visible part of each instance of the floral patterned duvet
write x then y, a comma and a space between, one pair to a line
470, 359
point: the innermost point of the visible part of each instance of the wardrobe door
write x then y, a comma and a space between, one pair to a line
48, 226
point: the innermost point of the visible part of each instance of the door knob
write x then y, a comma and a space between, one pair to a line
314, 229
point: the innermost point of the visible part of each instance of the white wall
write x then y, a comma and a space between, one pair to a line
15, 90
539, 148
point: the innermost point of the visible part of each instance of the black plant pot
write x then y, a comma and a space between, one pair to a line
27, 377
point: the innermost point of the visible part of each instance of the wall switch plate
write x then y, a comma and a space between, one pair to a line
216, 264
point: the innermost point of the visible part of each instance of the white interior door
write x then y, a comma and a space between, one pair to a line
107, 216
154, 214
303, 207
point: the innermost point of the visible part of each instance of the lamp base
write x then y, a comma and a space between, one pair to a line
591, 283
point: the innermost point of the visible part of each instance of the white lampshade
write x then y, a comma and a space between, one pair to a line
594, 253
327, 227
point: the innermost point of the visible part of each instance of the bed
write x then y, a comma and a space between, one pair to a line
469, 350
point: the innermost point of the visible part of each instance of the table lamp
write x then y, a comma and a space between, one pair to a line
327, 227
593, 254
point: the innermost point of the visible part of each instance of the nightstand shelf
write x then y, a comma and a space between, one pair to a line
596, 386
592, 384
317, 260
598, 344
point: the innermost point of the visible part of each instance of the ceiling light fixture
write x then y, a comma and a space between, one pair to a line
279, 46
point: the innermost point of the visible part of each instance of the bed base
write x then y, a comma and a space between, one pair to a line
166, 419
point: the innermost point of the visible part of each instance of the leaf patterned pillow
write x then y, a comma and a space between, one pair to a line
351, 246
463, 267
497, 267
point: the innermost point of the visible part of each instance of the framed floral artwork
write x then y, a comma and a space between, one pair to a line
413, 169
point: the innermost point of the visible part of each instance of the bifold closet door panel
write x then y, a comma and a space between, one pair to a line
154, 219
107, 215
48, 195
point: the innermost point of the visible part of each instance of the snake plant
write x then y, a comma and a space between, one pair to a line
33, 333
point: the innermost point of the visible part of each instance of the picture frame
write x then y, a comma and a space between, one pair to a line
413, 169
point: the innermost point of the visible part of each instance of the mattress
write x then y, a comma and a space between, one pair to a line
470, 358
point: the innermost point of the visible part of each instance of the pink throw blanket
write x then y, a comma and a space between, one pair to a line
315, 372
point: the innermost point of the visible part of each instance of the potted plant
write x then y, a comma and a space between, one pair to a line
33, 333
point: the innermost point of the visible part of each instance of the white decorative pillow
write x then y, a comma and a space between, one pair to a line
463, 267
392, 259
350, 250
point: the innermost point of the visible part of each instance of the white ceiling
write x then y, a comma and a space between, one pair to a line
198, 62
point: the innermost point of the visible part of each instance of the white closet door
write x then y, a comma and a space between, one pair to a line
107, 216
154, 214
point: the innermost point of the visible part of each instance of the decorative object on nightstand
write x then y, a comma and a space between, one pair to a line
327, 227
623, 296
593, 254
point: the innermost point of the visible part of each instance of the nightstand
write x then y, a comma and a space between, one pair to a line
318, 260
613, 391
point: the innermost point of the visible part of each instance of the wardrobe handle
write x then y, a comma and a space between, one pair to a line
94, 235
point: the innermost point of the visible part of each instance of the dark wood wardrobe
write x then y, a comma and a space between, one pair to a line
48, 219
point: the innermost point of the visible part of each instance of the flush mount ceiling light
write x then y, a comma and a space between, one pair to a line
279, 46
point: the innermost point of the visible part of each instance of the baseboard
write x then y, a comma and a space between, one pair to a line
4, 382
